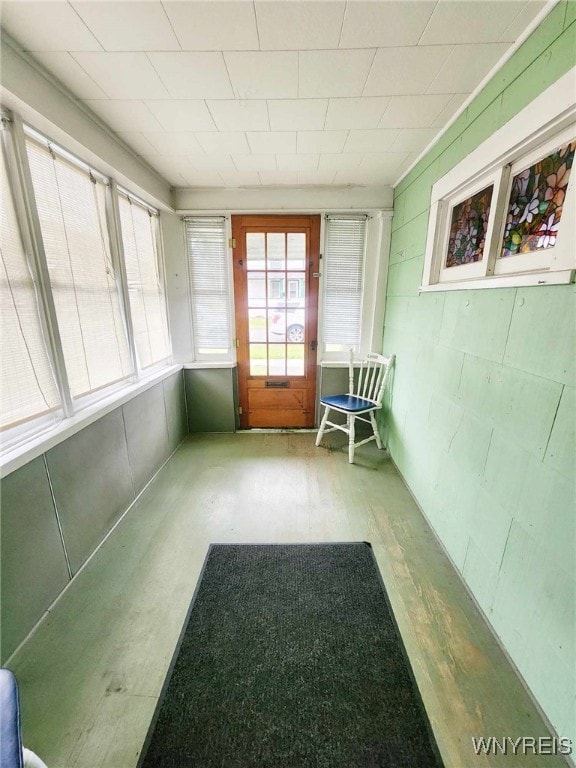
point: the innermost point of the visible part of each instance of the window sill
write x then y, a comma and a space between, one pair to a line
562, 277
199, 364
36, 446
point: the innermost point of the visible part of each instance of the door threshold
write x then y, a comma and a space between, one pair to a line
272, 430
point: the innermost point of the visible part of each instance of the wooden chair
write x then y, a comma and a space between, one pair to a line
372, 379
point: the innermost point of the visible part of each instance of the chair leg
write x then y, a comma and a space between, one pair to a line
322, 425
351, 420
375, 428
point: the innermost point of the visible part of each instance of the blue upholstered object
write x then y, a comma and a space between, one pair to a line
347, 403
10, 738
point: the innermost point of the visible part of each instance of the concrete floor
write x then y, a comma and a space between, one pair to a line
91, 673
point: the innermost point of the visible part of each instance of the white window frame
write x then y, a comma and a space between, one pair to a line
228, 357
377, 247
22, 443
546, 123
117, 192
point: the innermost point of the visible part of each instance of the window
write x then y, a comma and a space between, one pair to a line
71, 203
505, 215
345, 245
139, 226
210, 286
28, 385
70, 299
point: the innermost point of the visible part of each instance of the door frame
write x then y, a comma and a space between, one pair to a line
241, 223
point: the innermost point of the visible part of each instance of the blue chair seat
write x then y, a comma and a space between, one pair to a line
347, 403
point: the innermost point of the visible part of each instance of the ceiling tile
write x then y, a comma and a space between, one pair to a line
125, 115
389, 162
240, 178
378, 140
365, 178
338, 162
296, 25
466, 67
522, 20
255, 162
182, 115
49, 26
321, 141
138, 142
129, 26
297, 162
321, 178
174, 143
193, 75
382, 24
399, 71
212, 163
333, 73
461, 22
123, 75
170, 167
224, 142
214, 26
203, 178
69, 72
272, 142
297, 114
413, 139
356, 113
413, 111
450, 109
236, 115
263, 75
279, 177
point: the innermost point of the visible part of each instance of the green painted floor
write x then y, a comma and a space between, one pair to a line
91, 673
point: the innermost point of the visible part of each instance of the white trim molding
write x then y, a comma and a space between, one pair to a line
546, 124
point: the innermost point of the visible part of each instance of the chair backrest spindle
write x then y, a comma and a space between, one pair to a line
373, 373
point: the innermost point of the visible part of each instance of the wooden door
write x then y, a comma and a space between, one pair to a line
276, 271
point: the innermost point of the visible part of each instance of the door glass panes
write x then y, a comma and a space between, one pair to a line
296, 250
295, 360
258, 363
276, 263
255, 250
257, 289
276, 250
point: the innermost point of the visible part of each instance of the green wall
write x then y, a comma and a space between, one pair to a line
483, 414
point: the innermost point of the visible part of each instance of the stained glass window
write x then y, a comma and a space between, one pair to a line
468, 229
535, 204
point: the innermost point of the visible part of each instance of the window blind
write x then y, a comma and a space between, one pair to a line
71, 209
145, 290
209, 283
344, 270
28, 385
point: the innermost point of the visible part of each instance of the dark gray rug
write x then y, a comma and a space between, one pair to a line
290, 658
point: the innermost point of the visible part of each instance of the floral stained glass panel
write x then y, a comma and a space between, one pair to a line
535, 204
468, 229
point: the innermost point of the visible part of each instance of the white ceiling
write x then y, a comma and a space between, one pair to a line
242, 93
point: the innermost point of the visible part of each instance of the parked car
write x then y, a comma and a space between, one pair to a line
289, 323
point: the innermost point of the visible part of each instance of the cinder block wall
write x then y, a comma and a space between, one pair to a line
483, 409
58, 508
